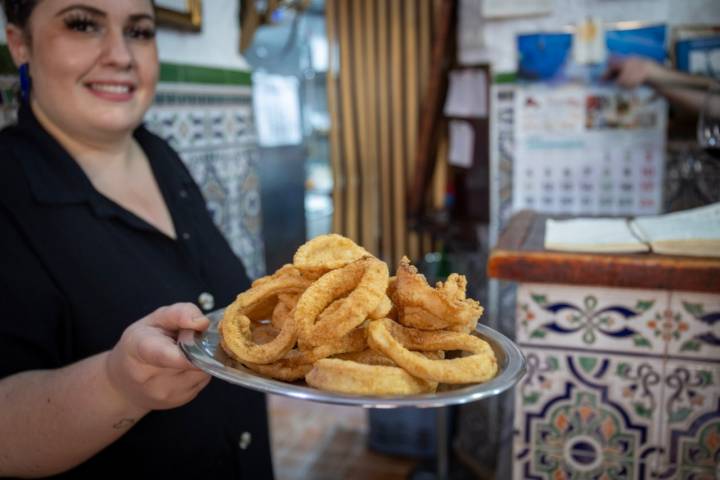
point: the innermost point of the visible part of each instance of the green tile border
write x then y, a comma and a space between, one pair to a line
169, 72
505, 77
173, 72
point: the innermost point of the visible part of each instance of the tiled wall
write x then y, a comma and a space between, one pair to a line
621, 384
206, 115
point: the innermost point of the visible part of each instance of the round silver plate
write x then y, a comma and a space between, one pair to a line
203, 351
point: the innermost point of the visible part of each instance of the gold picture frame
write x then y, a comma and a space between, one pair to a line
182, 18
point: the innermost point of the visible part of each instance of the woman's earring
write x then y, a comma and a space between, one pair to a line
25, 82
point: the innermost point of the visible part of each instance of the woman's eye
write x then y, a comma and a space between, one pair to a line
141, 33
81, 24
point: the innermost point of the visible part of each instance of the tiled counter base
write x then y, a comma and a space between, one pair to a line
621, 384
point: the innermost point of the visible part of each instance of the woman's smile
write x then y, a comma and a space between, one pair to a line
112, 91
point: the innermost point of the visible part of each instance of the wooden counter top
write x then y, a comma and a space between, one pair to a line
521, 257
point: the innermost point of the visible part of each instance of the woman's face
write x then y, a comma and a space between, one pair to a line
93, 63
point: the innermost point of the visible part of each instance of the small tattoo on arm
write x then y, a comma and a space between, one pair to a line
124, 424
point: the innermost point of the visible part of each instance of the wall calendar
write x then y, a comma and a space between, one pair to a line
589, 150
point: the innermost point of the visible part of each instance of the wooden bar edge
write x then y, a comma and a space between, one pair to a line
640, 271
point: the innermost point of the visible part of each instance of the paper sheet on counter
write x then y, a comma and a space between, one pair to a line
462, 142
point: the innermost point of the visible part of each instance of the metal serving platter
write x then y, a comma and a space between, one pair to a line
204, 351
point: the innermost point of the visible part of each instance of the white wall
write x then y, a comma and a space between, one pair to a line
494, 40
216, 46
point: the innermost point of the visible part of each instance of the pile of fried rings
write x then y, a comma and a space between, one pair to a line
335, 318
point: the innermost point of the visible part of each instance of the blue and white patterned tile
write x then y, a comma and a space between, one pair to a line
690, 421
587, 416
212, 129
691, 325
589, 317
231, 187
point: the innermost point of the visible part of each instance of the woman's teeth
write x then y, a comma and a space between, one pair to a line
110, 88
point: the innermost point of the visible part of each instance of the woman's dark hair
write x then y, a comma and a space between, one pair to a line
18, 12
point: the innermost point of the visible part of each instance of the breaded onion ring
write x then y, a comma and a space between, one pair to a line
363, 281
480, 366
354, 378
327, 252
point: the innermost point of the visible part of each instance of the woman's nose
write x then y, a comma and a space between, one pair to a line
116, 51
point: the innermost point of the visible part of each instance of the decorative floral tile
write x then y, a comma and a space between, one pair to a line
502, 157
213, 130
691, 325
587, 317
587, 416
690, 425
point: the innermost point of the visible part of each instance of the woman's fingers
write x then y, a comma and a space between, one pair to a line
160, 351
178, 317
148, 367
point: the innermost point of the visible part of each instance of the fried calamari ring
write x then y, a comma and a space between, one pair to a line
354, 378
236, 339
367, 356
381, 311
259, 301
264, 333
354, 341
421, 306
327, 252
372, 357
480, 366
363, 281
288, 369
284, 308
297, 363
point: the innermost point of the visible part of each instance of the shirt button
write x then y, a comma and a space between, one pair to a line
183, 194
186, 236
245, 440
206, 301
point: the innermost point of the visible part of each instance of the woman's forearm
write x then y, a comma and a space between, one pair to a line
53, 420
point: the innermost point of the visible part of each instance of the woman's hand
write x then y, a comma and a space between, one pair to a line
53, 420
148, 368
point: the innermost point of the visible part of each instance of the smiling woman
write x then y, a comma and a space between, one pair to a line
102, 225
90, 67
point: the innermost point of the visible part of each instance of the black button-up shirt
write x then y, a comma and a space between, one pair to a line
76, 269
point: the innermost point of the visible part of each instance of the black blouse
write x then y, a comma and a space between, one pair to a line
76, 269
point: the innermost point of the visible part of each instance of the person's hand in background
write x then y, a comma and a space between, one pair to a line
686, 91
631, 72
147, 366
